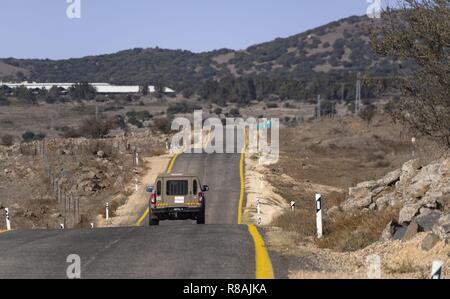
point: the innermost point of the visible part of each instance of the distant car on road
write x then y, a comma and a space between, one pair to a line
177, 197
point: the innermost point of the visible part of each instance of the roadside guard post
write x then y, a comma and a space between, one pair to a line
319, 215
436, 271
107, 211
293, 206
8, 222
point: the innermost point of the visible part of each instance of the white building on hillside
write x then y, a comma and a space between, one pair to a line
103, 88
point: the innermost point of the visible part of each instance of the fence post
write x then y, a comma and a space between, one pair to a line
68, 213
319, 215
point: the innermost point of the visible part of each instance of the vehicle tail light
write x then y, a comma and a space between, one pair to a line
201, 197
153, 201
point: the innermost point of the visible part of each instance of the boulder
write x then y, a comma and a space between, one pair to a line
442, 230
367, 185
389, 231
400, 232
359, 198
444, 219
408, 212
383, 201
430, 200
429, 242
428, 220
412, 230
409, 170
444, 168
388, 200
391, 178
422, 182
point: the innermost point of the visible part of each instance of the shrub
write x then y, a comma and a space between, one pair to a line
234, 112
162, 124
39, 136
7, 140
218, 111
272, 105
182, 108
28, 136
367, 113
94, 128
4, 102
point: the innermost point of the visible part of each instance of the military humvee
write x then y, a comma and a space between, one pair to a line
177, 197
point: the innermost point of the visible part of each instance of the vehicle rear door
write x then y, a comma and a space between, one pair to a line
177, 192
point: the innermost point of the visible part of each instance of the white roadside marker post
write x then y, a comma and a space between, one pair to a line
8, 222
293, 206
374, 266
61, 226
136, 184
319, 215
137, 159
92, 225
258, 206
107, 211
436, 271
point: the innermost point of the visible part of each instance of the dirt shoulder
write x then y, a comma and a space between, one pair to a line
129, 213
258, 188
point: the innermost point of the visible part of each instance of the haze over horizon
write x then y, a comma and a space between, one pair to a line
43, 30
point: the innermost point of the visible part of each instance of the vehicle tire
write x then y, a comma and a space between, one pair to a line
154, 221
201, 218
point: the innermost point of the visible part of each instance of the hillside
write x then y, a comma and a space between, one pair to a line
334, 49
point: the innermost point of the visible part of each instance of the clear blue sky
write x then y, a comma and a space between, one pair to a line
41, 29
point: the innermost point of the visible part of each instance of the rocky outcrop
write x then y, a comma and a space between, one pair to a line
421, 193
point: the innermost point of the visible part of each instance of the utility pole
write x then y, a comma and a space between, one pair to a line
358, 94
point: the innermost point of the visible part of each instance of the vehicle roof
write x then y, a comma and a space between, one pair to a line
176, 176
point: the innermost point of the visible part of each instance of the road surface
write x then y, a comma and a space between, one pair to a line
180, 249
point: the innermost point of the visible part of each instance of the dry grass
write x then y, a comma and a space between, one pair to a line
353, 232
301, 222
405, 266
344, 151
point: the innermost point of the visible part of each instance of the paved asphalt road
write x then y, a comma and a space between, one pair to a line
210, 251
219, 249
221, 173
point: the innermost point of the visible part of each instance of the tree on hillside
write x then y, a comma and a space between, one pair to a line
419, 31
53, 94
367, 113
25, 95
82, 91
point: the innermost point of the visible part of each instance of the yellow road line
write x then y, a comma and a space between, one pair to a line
264, 269
139, 222
147, 211
241, 192
169, 170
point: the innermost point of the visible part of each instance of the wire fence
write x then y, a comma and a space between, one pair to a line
48, 149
